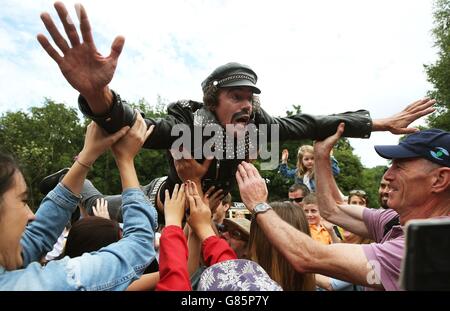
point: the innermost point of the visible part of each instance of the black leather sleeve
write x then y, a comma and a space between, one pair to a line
304, 126
122, 114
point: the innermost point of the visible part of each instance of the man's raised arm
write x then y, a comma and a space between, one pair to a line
82, 65
330, 202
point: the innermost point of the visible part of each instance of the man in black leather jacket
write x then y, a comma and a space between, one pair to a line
228, 100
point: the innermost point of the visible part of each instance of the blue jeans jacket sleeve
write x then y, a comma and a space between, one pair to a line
51, 217
114, 267
286, 171
335, 166
111, 268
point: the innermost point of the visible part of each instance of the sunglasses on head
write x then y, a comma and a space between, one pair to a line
234, 233
298, 200
237, 235
358, 192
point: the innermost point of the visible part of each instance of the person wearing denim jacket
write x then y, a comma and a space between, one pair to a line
287, 172
111, 268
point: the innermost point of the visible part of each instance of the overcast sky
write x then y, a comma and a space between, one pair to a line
327, 56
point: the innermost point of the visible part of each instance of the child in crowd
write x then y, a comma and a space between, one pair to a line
304, 171
321, 230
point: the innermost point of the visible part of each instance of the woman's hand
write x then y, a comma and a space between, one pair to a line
174, 206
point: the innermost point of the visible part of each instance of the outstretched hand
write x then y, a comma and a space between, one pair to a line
127, 147
199, 213
97, 141
252, 187
174, 206
325, 147
284, 155
100, 209
212, 198
188, 168
81, 64
398, 123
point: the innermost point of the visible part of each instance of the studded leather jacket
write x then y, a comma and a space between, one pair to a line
221, 172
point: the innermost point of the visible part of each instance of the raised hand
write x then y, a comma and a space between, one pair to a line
325, 147
81, 64
398, 123
252, 187
200, 215
100, 208
97, 141
326, 224
174, 206
212, 198
284, 156
189, 169
129, 145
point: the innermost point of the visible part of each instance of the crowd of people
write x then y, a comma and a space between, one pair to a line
173, 233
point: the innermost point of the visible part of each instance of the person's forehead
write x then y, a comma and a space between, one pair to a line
297, 193
238, 89
412, 164
20, 186
310, 206
409, 161
355, 197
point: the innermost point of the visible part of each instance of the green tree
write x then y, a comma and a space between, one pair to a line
43, 140
351, 169
371, 178
438, 73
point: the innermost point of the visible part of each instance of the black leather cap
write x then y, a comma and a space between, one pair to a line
232, 74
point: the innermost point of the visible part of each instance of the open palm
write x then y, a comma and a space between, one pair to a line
81, 64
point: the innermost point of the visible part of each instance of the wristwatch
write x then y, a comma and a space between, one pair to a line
261, 208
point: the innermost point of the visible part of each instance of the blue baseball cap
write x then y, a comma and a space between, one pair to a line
433, 145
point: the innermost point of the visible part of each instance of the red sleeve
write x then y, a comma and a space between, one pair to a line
173, 257
216, 250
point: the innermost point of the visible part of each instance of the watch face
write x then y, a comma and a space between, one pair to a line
261, 207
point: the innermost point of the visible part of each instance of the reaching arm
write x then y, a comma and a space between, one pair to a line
331, 206
301, 126
90, 73
82, 65
173, 249
121, 113
330, 229
341, 261
357, 124
195, 249
56, 208
398, 123
146, 282
287, 172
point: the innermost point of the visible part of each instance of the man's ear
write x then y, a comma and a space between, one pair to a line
441, 181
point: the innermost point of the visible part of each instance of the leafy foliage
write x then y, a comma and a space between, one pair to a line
43, 141
438, 73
